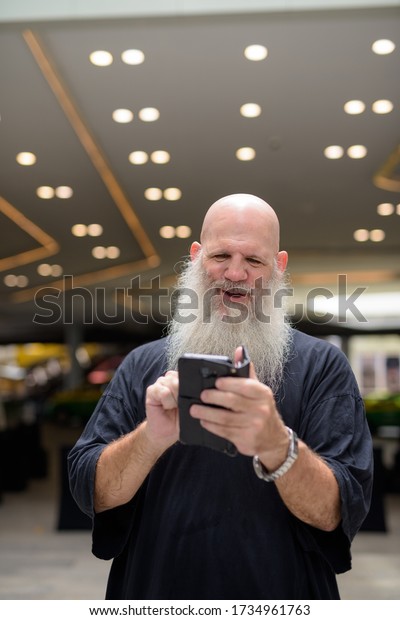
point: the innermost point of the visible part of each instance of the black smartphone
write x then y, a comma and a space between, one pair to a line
197, 373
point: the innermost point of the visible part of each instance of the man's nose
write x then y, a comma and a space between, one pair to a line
235, 271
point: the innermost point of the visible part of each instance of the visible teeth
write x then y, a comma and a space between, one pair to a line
236, 291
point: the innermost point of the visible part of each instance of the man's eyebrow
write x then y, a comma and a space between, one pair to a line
217, 251
224, 251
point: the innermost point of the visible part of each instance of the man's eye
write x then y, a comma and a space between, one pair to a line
220, 257
254, 261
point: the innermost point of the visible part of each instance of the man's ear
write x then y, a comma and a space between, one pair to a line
194, 249
282, 260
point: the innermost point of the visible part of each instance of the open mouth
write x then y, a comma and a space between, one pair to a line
235, 294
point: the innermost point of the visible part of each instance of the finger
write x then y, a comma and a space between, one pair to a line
249, 388
227, 400
161, 394
167, 397
171, 373
231, 400
222, 418
238, 356
171, 381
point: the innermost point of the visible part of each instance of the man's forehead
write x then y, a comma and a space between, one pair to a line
255, 224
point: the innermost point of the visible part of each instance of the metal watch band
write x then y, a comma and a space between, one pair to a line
264, 474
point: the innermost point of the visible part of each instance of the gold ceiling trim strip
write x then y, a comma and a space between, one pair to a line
86, 279
92, 149
133, 301
49, 245
385, 177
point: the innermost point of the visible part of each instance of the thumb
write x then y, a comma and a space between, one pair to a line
252, 372
239, 357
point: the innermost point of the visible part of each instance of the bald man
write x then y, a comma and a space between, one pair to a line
189, 522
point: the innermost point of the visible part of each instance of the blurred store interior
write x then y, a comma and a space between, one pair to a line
120, 124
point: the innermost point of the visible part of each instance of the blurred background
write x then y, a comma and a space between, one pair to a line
120, 123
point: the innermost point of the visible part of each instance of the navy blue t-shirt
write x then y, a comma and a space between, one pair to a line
203, 526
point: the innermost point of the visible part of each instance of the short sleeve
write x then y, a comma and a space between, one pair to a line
119, 411
331, 420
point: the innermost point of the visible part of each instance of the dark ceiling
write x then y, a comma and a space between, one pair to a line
56, 104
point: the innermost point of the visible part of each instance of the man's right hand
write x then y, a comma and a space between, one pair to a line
124, 464
162, 425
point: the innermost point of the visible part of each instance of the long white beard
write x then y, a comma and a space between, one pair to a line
202, 328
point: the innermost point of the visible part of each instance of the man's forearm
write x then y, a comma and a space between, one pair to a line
122, 467
310, 491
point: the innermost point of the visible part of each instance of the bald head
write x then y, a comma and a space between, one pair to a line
248, 212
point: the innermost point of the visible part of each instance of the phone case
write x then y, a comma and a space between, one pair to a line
197, 373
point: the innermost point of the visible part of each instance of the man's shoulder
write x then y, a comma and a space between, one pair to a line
321, 365
148, 349
306, 346
302, 339
147, 354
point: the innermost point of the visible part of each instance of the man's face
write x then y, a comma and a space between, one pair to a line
219, 327
237, 258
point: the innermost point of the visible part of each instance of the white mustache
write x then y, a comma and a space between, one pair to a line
232, 287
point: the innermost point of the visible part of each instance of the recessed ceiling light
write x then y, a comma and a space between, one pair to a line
64, 192
355, 106
385, 208
357, 151
26, 159
133, 57
44, 269
250, 110
101, 58
99, 252
56, 270
149, 115
45, 192
361, 235
153, 193
383, 46
22, 281
49, 270
382, 106
333, 152
122, 115
138, 158
183, 232
172, 193
167, 232
160, 157
94, 230
79, 230
113, 252
10, 280
246, 153
256, 52
377, 235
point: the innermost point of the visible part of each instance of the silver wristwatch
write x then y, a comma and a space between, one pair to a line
264, 474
